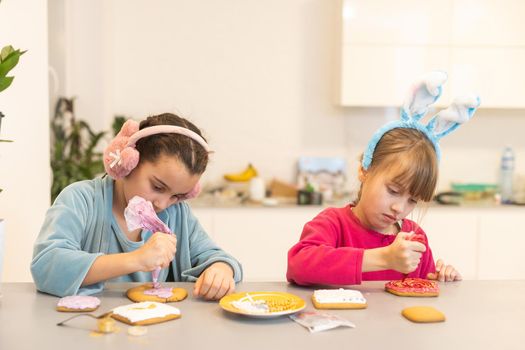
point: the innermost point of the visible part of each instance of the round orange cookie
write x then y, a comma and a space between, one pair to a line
423, 314
413, 287
146, 292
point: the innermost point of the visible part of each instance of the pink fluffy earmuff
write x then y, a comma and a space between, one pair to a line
121, 155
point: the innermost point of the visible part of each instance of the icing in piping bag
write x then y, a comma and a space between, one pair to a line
140, 214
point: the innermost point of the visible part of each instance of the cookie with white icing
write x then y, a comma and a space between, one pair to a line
147, 312
146, 292
78, 303
338, 299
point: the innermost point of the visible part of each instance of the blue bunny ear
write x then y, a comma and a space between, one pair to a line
424, 92
459, 112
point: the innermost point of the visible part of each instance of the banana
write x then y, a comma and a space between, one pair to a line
246, 175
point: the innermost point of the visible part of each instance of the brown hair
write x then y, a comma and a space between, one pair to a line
189, 151
411, 159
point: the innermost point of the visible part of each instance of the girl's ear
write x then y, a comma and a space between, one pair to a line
362, 174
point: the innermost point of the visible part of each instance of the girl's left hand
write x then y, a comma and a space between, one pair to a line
215, 282
444, 273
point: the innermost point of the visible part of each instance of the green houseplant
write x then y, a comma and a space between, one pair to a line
9, 58
73, 148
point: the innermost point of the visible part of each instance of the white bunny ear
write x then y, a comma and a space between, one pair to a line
423, 93
459, 112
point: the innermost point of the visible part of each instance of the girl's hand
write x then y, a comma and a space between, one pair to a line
158, 251
444, 273
215, 282
404, 255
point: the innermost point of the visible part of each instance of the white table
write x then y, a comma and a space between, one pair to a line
480, 315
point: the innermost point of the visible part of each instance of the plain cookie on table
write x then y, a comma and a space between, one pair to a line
423, 314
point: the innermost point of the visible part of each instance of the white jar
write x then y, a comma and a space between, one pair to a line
257, 189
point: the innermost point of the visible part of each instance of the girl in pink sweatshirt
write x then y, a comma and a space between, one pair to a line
372, 239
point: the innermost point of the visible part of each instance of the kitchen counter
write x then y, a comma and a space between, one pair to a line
216, 204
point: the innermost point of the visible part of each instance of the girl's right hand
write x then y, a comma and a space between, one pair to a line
158, 251
404, 255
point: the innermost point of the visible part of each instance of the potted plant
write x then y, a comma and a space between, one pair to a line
73, 148
8, 60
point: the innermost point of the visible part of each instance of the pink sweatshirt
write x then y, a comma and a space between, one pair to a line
331, 251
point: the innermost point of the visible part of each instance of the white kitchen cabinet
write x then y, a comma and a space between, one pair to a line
452, 235
482, 243
258, 237
496, 74
381, 75
386, 45
405, 22
496, 23
501, 245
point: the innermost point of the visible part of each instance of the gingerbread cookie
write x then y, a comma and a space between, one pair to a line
146, 292
338, 299
78, 303
147, 312
423, 314
413, 287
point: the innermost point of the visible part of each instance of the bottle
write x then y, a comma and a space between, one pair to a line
506, 175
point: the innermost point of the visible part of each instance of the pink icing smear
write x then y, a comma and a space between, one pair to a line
159, 292
79, 302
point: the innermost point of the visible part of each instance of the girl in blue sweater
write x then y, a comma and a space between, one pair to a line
85, 241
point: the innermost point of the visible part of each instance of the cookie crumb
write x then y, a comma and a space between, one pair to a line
137, 331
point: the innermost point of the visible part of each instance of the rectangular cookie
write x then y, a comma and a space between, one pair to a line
147, 312
338, 299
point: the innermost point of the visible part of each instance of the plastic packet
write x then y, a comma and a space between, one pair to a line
316, 321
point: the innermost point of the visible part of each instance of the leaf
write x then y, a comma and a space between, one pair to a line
6, 50
9, 63
5, 82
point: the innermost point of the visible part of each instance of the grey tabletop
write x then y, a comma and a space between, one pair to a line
480, 315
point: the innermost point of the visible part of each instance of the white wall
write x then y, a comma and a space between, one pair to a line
24, 164
260, 77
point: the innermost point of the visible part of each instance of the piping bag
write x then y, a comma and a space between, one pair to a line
140, 214
416, 237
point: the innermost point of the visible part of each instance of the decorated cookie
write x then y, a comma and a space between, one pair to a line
78, 303
413, 287
146, 292
144, 313
338, 299
423, 314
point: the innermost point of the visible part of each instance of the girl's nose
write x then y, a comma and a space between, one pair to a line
397, 207
161, 203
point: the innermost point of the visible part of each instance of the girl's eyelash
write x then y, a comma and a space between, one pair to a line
391, 190
156, 188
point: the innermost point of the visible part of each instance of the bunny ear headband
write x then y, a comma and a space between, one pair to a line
121, 156
425, 92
